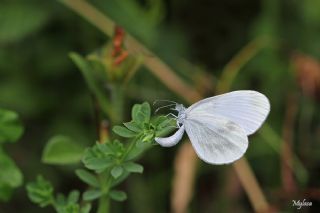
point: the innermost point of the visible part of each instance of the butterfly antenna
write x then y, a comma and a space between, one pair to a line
169, 105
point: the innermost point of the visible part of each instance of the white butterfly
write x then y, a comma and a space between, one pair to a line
218, 126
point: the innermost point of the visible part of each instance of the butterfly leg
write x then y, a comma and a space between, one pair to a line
173, 115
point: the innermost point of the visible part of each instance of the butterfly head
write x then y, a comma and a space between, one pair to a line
181, 113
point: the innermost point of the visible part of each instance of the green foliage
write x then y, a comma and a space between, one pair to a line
133, 167
10, 126
87, 177
88, 71
16, 21
92, 194
118, 195
40, 192
62, 150
10, 176
124, 132
103, 156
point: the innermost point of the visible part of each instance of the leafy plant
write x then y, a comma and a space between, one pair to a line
107, 163
10, 175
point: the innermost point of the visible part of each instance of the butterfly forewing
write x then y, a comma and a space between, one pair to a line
246, 108
215, 139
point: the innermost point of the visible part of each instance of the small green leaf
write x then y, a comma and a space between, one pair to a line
10, 176
120, 179
10, 126
124, 132
86, 208
146, 111
87, 177
133, 167
118, 195
133, 126
137, 150
117, 171
73, 196
134, 112
62, 150
40, 191
97, 164
92, 194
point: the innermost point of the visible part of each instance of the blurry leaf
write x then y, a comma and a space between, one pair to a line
134, 113
120, 179
10, 176
40, 192
96, 164
87, 177
92, 194
146, 111
116, 172
86, 69
102, 156
133, 126
86, 208
133, 167
140, 118
137, 150
73, 196
62, 150
118, 195
10, 126
18, 20
123, 132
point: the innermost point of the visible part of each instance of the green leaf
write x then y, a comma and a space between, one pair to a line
62, 150
134, 113
10, 126
40, 192
118, 195
120, 179
146, 111
73, 196
87, 177
123, 132
137, 150
133, 126
97, 164
86, 208
133, 167
10, 176
92, 194
88, 74
117, 171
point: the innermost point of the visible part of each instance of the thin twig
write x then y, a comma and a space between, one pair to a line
288, 180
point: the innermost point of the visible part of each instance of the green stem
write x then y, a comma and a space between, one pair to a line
104, 201
104, 204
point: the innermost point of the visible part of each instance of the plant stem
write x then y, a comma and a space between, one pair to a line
104, 204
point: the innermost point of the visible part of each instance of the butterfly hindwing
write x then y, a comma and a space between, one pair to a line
216, 140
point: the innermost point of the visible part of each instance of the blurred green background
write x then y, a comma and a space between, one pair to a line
39, 81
